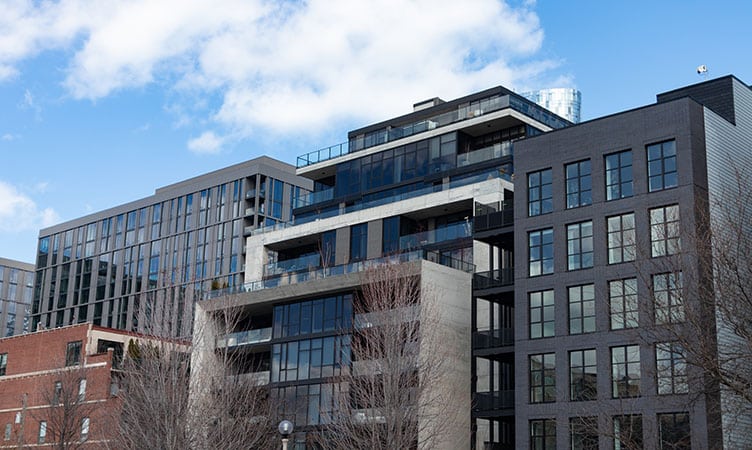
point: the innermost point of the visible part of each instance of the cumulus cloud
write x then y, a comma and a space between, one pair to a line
208, 143
282, 66
18, 212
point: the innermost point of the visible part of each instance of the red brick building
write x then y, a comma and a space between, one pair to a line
59, 385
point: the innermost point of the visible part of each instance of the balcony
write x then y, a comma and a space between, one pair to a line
451, 232
500, 337
256, 378
248, 337
485, 154
493, 279
313, 198
253, 193
306, 262
497, 219
250, 212
492, 401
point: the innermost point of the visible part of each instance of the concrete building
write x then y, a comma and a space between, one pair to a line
566, 102
16, 283
61, 379
140, 266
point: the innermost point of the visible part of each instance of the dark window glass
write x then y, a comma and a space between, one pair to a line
580, 245
541, 252
662, 166
543, 434
73, 354
619, 175
583, 375
625, 371
627, 432
539, 192
3, 363
358, 242
541, 314
542, 378
583, 432
390, 235
579, 186
581, 309
671, 368
674, 431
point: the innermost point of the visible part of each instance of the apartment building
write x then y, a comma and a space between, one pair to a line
140, 266
16, 283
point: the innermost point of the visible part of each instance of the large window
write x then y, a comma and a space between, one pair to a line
664, 230
671, 369
328, 314
625, 371
42, 436
583, 433
3, 363
73, 354
580, 245
390, 235
543, 434
309, 404
358, 242
539, 193
667, 298
621, 238
662, 166
583, 375
581, 309
674, 431
310, 358
543, 378
85, 428
627, 432
623, 306
579, 186
541, 314
619, 175
541, 249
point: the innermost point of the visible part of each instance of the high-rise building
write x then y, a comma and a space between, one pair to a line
539, 241
140, 266
565, 102
16, 282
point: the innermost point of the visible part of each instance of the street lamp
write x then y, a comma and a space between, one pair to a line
285, 429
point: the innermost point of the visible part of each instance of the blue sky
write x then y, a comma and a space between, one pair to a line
103, 102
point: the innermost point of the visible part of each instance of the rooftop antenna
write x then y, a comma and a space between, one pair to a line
702, 70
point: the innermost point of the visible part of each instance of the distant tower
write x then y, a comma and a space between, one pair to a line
562, 101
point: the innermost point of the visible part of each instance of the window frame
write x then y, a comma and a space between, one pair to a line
671, 376
665, 231
579, 389
577, 257
685, 442
616, 185
541, 391
545, 440
540, 192
621, 241
659, 165
620, 389
73, 353
3, 363
42, 435
578, 184
582, 304
545, 313
630, 317
544, 249
583, 433
634, 437
668, 298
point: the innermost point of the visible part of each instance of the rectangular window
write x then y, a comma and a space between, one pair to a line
543, 434
56, 394
621, 238
541, 314
625, 371
6, 436
667, 298
84, 429
3, 363
619, 175
623, 306
674, 431
73, 354
82, 389
583, 432
579, 186
628, 432
583, 375
664, 231
581, 309
543, 378
539, 193
671, 369
390, 235
42, 432
662, 166
580, 245
541, 250
358, 242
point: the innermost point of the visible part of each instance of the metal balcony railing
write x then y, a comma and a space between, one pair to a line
493, 338
493, 278
490, 401
497, 219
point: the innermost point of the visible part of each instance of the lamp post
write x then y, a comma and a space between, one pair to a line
285, 429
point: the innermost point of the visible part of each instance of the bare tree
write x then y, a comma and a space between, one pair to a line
394, 395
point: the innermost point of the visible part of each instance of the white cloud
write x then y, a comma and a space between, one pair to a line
8, 137
18, 212
281, 66
208, 144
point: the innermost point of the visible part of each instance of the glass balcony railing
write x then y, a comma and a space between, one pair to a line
493, 278
306, 262
499, 337
489, 401
451, 232
325, 272
465, 112
313, 197
247, 337
485, 154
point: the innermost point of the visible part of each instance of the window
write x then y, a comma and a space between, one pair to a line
671, 369
619, 175
579, 189
73, 354
674, 431
42, 431
621, 238
541, 314
662, 166
623, 306
3, 363
541, 248
667, 298
664, 230
627, 432
82, 389
580, 245
583, 376
582, 309
56, 394
539, 193
358, 242
6, 436
390, 235
625, 371
543, 378
84, 429
583, 433
543, 434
